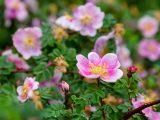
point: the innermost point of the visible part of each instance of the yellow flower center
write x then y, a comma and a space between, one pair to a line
59, 33
69, 17
25, 90
86, 19
98, 70
148, 26
152, 48
15, 5
29, 41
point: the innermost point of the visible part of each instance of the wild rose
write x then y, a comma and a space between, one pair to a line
106, 68
148, 25
148, 112
27, 41
149, 49
14, 58
26, 91
15, 9
87, 19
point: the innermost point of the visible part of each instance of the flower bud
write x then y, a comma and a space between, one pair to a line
65, 86
132, 69
90, 108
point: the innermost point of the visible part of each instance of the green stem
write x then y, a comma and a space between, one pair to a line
128, 88
101, 102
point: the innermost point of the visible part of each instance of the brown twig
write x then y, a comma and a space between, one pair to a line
139, 109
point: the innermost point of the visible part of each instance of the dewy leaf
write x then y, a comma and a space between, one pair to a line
109, 21
111, 46
47, 37
5, 66
55, 111
96, 115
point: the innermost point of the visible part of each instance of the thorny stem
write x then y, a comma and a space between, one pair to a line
101, 102
139, 109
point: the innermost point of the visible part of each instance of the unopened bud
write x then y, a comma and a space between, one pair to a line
90, 108
131, 70
65, 86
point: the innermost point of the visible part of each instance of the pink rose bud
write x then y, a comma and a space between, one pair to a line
132, 69
65, 86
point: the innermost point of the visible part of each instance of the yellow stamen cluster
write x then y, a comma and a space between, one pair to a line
98, 70
25, 90
148, 26
152, 48
119, 30
69, 17
36, 99
61, 64
60, 33
53, 8
110, 99
134, 10
15, 4
29, 41
157, 15
85, 20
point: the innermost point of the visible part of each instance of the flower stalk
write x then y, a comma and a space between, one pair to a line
101, 101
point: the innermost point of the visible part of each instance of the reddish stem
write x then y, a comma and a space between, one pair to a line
139, 109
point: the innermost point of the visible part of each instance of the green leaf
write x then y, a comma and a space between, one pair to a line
109, 22
6, 67
55, 111
47, 38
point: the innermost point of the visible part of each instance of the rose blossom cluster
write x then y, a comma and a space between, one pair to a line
26, 91
148, 46
86, 19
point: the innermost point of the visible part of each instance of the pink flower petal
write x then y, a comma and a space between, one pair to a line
94, 58
113, 76
111, 61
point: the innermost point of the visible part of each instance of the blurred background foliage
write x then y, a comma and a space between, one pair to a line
127, 12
